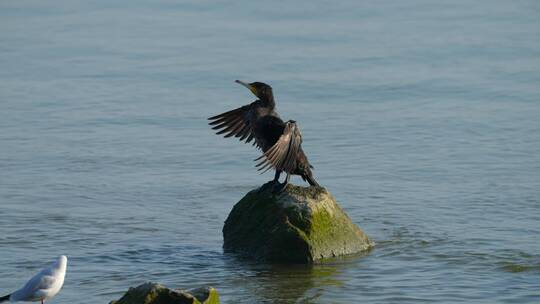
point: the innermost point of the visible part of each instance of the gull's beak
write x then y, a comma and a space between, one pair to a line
247, 85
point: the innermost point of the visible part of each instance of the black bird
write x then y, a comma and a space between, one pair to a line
280, 141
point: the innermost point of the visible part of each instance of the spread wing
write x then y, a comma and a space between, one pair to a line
234, 123
283, 154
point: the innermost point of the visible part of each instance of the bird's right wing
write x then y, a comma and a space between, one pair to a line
282, 155
234, 122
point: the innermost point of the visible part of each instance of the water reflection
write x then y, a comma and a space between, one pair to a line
282, 283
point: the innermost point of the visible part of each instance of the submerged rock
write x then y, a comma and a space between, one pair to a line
300, 224
153, 293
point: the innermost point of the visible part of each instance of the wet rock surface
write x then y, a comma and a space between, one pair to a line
153, 293
298, 225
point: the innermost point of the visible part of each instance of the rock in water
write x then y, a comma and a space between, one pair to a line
152, 293
300, 225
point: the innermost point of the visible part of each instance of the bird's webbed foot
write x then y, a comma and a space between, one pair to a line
279, 187
269, 185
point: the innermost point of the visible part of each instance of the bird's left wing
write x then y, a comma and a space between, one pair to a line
34, 284
282, 155
47, 282
234, 122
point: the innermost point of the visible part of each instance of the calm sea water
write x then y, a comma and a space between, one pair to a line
421, 117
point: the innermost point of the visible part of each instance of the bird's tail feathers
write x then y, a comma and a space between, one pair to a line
308, 176
312, 181
5, 298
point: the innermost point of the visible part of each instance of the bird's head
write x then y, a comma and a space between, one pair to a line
259, 89
62, 260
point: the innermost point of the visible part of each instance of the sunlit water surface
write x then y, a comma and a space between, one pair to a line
422, 118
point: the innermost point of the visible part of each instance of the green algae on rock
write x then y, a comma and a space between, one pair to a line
153, 293
299, 225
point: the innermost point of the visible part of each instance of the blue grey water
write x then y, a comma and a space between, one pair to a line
421, 117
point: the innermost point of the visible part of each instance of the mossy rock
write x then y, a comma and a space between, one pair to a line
299, 225
153, 293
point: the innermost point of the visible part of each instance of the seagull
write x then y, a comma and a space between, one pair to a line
43, 286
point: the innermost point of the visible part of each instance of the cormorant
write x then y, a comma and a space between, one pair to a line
280, 141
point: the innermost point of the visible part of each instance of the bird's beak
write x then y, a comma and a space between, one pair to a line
247, 85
